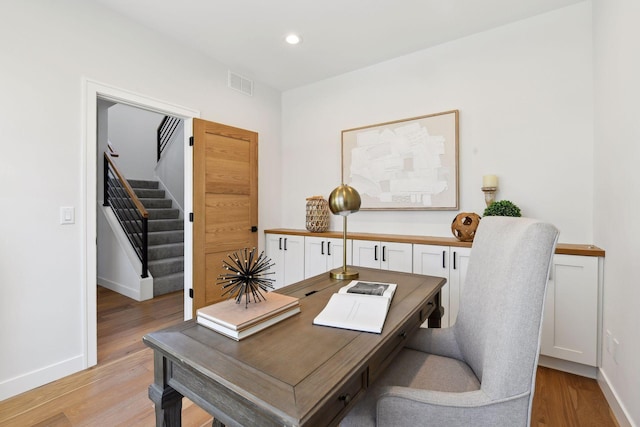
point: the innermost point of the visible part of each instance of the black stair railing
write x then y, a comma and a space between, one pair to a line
133, 217
165, 132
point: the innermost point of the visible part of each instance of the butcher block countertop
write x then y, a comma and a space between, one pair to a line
561, 248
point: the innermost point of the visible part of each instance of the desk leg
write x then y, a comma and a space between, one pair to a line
435, 317
168, 402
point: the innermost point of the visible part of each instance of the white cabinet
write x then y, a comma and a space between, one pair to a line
322, 254
459, 262
287, 253
448, 262
570, 324
383, 255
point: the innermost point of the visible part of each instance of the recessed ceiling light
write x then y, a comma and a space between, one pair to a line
293, 39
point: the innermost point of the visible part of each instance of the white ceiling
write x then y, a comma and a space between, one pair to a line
338, 35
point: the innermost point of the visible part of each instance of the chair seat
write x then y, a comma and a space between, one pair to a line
414, 369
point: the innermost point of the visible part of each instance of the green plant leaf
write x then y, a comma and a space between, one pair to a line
502, 208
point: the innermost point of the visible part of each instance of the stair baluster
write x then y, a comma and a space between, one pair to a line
126, 206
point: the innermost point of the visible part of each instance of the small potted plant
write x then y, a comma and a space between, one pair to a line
502, 208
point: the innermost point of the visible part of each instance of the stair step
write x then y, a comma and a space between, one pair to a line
121, 203
167, 284
156, 203
155, 225
149, 193
132, 226
166, 224
168, 250
143, 183
163, 267
163, 213
163, 237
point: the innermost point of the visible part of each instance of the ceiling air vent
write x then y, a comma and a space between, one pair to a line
240, 83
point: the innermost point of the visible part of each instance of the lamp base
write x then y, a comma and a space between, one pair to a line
343, 274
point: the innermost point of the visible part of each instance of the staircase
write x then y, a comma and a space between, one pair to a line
166, 237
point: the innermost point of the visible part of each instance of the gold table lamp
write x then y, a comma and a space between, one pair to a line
344, 200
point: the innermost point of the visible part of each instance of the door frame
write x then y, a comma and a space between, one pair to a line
93, 91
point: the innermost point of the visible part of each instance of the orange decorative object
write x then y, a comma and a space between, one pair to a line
464, 226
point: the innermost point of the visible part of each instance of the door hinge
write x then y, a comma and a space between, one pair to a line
191, 293
190, 141
190, 216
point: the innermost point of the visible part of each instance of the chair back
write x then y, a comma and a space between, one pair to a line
500, 316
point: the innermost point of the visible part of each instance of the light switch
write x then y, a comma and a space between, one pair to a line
67, 215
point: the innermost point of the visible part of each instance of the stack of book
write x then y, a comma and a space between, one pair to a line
238, 321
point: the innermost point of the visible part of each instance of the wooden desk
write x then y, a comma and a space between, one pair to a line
293, 373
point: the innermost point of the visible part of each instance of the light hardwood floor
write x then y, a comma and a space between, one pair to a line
114, 393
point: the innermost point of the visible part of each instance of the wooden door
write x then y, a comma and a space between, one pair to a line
225, 202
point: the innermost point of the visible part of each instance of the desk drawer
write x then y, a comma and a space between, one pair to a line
340, 402
391, 348
426, 311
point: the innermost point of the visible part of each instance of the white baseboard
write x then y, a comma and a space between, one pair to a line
619, 411
143, 293
25, 382
566, 366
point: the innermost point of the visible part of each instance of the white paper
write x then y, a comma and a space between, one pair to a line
360, 312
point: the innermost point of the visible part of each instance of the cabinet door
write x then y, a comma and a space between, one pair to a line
315, 256
396, 256
458, 264
335, 253
366, 253
287, 253
323, 254
570, 322
273, 249
294, 259
433, 260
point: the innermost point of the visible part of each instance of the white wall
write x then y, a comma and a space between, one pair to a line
47, 49
617, 194
525, 95
132, 132
119, 267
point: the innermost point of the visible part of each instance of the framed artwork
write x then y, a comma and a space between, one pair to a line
409, 164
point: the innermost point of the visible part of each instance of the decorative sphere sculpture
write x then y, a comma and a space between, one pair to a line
464, 226
246, 276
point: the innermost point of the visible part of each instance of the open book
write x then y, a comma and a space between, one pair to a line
361, 306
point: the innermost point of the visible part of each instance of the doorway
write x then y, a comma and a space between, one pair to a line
95, 91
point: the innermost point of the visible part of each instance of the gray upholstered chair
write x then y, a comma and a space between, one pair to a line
480, 371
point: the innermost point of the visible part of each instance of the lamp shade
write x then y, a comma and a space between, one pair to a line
344, 200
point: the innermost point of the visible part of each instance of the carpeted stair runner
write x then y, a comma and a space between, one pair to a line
166, 237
